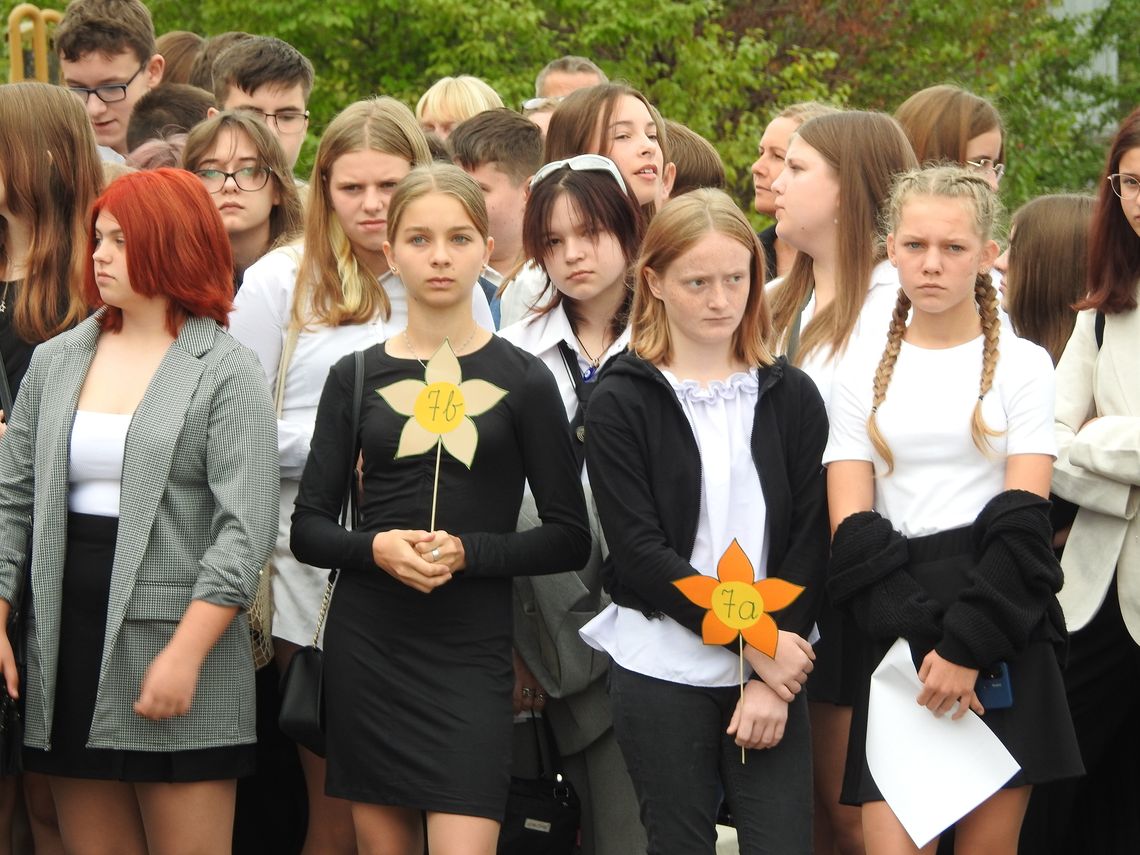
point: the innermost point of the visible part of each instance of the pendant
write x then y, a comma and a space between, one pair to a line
587, 375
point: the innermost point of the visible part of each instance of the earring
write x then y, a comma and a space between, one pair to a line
835, 221
395, 272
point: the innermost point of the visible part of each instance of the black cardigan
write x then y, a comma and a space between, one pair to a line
1009, 600
645, 473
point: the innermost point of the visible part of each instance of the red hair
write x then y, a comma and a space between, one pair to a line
176, 246
1114, 247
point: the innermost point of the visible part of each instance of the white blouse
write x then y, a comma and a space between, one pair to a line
732, 506
98, 441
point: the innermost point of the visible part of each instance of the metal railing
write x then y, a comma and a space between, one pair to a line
24, 18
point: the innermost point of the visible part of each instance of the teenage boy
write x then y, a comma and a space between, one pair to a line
501, 150
108, 58
271, 79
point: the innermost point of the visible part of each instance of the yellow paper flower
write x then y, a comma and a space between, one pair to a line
440, 407
738, 605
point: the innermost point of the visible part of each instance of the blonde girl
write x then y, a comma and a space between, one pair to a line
331, 295
939, 463
696, 437
450, 100
417, 687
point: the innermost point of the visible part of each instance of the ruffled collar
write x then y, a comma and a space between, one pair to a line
691, 391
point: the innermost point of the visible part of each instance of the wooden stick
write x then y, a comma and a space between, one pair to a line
740, 640
435, 486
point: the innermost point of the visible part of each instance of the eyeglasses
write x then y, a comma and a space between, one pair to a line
582, 163
984, 165
108, 93
1126, 186
249, 178
287, 121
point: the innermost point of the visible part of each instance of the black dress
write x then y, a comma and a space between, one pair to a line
418, 686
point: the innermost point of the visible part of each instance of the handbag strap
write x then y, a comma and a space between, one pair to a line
5, 389
549, 760
287, 347
348, 506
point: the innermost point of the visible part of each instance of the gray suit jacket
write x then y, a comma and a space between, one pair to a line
197, 519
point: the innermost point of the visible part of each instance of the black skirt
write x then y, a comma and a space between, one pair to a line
1037, 730
85, 595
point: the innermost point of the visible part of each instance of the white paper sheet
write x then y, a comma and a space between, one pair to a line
931, 771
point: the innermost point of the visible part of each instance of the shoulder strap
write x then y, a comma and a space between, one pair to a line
292, 333
348, 508
582, 389
5, 390
1098, 329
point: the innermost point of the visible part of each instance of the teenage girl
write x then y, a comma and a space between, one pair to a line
418, 687
1098, 404
50, 178
618, 122
939, 466
769, 163
241, 164
697, 437
583, 228
450, 100
839, 292
334, 294
949, 124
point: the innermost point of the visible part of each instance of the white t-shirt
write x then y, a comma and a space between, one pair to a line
941, 480
95, 473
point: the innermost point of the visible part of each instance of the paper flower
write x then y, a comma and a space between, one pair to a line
440, 407
737, 604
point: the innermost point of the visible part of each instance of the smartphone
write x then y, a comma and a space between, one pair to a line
993, 687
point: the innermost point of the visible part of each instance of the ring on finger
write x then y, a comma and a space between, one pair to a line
540, 696
527, 691
435, 554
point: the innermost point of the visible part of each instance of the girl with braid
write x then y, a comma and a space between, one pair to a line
939, 462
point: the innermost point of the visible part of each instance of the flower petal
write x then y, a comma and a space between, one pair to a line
460, 443
734, 565
415, 440
777, 593
762, 635
443, 367
479, 396
698, 589
401, 395
713, 631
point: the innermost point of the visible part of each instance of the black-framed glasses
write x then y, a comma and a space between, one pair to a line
248, 178
1126, 186
287, 121
108, 93
986, 166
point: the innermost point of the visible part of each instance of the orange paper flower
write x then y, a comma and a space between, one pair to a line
737, 604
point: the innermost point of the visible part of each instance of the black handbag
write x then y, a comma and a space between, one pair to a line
544, 814
302, 715
12, 709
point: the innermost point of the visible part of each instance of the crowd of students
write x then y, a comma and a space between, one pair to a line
861, 398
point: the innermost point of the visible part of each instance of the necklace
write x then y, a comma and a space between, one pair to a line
4, 298
595, 361
455, 350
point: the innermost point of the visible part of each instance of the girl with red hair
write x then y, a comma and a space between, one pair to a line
139, 469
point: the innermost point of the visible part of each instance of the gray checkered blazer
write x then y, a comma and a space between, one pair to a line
197, 520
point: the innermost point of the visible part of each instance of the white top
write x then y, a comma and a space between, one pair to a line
540, 335
941, 480
732, 506
260, 318
523, 295
98, 441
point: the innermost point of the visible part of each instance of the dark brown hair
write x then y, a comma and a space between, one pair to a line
260, 61
1114, 246
107, 27
502, 137
697, 161
169, 108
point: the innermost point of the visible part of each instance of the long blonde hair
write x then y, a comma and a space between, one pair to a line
866, 150
677, 229
334, 287
946, 182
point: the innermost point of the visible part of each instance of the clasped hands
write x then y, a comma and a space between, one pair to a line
423, 560
761, 715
